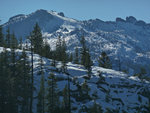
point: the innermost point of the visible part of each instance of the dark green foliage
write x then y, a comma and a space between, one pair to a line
104, 61
1, 37
65, 103
8, 38
14, 82
107, 98
76, 56
59, 49
36, 39
70, 58
88, 62
46, 52
52, 96
83, 51
96, 108
141, 73
139, 99
41, 94
24, 68
84, 92
108, 111
14, 42
85, 56
64, 56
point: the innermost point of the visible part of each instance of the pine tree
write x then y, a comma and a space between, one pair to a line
76, 60
104, 61
84, 92
54, 59
25, 77
52, 96
4, 78
1, 37
95, 108
14, 42
83, 51
70, 57
41, 94
8, 38
15, 82
65, 102
47, 50
32, 74
59, 49
88, 62
64, 56
37, 40
41, 97
69, 97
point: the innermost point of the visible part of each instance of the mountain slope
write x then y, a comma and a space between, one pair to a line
127, 40
108, 88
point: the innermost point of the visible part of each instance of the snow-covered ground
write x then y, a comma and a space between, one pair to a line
123, 91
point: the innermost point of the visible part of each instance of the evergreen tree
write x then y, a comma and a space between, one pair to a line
69, 99
76, 60
32, 79
84, 91
8, 38
59, 49
65, 102
83, 51
36, 38
14, 42
14, 80
24, 76
85, 56
26, 82
47, 50
1, 37
4, 86
95, 108
104, 61
70, 57
64, 56
41, 95
88, 62
54, 59
52, 96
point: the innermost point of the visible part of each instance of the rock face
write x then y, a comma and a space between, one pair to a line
61, 14
127, 40
120, 20
131, 19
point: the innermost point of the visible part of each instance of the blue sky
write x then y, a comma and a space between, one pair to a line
79, 9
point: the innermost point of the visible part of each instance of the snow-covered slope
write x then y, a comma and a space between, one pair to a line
127, 40
113, 89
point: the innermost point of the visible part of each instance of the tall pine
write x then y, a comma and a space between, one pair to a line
1, 37
37, 40
104, 61
52, 95
41, 94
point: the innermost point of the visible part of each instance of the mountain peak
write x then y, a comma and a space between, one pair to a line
131, 19
17, 17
